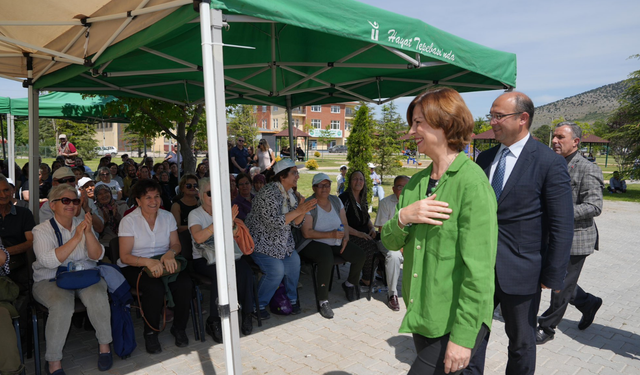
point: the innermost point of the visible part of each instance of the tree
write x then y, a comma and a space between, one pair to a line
157, 118
624, 128
543, 134
387, 141
481, 125
80, 134
359, 145
325, 137
243, 124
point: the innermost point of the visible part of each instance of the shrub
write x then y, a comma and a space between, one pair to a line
311, 165
278, 158
317, 154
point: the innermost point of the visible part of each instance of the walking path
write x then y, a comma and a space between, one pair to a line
363, 337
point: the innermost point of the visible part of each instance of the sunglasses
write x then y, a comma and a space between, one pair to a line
66, 180
191, 186
67, 201
209, 193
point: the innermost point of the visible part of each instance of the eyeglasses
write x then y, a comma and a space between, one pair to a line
324, 186
67, 201
241, 140
191, 186
104, 174
244, 184
208, 193
66, 180
499, 117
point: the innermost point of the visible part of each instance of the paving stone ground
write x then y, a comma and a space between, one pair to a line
363, 337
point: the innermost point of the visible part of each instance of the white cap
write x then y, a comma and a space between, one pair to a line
84, 180
282, 165
318, 178
371, 165
10, 181
62, 136
343, 166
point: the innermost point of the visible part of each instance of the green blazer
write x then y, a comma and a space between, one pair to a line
448, 277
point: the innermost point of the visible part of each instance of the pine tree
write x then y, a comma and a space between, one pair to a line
359, 146
386, 141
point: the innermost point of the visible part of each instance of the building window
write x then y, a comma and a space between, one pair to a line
264, 124
274, 108
316, 108
264, 108
335, 124
335, 109
316, 124
349, 111
255, 108
275, 123
347, 125
296, 122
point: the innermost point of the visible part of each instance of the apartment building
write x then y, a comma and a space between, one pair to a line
336, 118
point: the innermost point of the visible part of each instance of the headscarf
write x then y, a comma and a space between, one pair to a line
289, 198
109, 210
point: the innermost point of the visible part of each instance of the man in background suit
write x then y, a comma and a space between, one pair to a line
535, 226
586, 188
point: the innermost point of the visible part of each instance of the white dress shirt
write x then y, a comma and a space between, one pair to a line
146, 242
511, 159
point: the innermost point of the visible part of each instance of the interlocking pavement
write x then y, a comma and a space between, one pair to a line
363, 336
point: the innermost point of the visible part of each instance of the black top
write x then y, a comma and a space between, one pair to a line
357, 217
184, 212
13, 226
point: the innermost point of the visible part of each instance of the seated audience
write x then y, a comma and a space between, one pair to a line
167, 192
16, 202
113, 168
186, 201
201, 227
244, 197
9, 355
174, 176
149, 238
62, 176
232, 186
258, 183
80, 246
105, 179
88, 204
202, 170
361, 229
274, 212
616, 185
329, 235
392, 259
110, 212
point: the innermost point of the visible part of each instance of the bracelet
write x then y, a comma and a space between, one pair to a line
400, 221
137, 261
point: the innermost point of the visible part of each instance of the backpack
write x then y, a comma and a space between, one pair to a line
299, 239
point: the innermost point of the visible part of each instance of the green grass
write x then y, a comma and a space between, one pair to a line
632, 194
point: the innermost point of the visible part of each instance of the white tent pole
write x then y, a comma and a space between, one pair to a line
76, 60
213, 74
273, 58
11, 126
292, 147
34, 136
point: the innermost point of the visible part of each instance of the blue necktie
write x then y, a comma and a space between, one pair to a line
498, 175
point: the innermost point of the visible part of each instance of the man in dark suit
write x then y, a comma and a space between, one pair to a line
586, 188
535, 226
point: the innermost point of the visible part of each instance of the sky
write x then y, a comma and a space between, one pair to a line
563, 48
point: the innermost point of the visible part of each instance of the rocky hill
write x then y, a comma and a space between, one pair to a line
589, 106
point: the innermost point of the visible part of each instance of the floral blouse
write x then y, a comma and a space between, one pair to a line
267, 226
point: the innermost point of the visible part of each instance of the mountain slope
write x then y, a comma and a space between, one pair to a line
589, 106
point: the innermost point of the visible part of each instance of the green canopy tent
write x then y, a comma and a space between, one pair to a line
284, 53
5, 108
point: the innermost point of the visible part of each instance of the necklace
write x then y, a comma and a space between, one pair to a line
448, 165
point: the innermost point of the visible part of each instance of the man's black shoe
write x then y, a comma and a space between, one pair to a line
214, 328
181, 337
543, 337
589, 316
152, 344
350, 292
295, 308
247, 325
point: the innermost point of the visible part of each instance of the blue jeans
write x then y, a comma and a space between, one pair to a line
274, 271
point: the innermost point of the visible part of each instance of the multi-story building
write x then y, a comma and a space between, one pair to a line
334, 119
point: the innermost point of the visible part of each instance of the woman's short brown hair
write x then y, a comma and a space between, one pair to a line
443, 108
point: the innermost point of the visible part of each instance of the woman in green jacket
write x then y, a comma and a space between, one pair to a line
446, 223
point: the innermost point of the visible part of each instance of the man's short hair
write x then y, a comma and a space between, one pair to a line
525, 104
398, 178
576, 130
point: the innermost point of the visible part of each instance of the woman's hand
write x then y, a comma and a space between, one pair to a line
155, 266
88, 218
306, 206
169, 262
425, 211
80, 229
456, 357
337, 234
234, 212
373, 233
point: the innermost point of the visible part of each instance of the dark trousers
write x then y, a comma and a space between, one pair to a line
570, 294
322, 254
519, 314
370, 248
431, 353
244, 283
152, 292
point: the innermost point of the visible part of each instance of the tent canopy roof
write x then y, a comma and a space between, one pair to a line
593, 139
5, 105
314, 52
70, 106
296, 133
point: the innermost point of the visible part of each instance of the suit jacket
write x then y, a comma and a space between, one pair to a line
535, 220
586, 187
